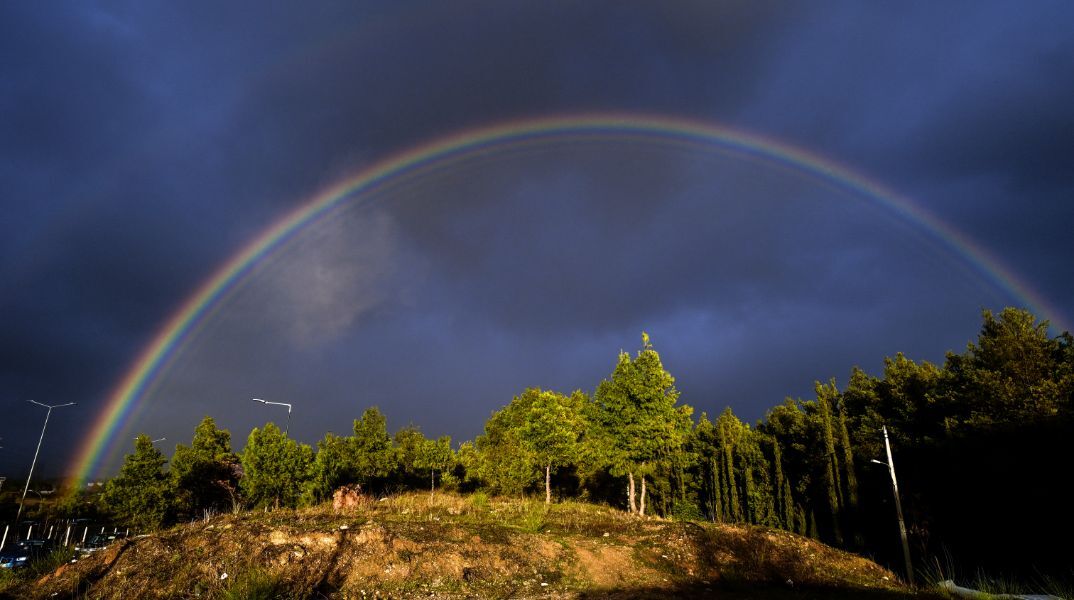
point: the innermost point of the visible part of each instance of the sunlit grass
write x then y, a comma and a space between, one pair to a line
253, 584
938, 569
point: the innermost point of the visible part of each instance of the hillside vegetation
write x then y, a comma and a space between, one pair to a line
447, 545
980, 442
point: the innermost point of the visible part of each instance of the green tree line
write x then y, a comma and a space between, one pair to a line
805, 467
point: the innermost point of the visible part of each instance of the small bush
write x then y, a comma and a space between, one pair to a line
686, 511
526, 515
7, 579
254, 584
480, 500
50, 562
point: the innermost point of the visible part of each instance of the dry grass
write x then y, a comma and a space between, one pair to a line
447, 545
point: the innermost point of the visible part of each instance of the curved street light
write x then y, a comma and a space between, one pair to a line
156, 440
39, 440
288, 426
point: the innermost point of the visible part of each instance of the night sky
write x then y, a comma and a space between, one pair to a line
142, 146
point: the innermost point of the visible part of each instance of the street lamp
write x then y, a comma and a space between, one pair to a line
288, 427
39, 440
898, 507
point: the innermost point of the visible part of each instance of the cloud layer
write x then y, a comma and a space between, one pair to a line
143, 146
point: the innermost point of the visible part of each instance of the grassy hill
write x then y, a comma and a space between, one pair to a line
444, 546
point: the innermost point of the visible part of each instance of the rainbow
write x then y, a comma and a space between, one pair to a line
200, 305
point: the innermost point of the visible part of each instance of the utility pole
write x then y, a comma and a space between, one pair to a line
898, 507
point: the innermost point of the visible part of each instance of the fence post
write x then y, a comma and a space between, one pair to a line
67, 536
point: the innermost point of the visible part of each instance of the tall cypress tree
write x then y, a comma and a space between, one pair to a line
788, 506
717, 496
781, 499
831, 460
751, 507
850, 479
725, 427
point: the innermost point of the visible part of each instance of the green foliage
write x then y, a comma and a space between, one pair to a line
275, 467
641, 426
480, 500
206, 473
253, 584
77, 503
435, 456
500, 460
142, 494
551, 430
637, 409
826, 396
1014, 372
374, 457
804, 467
408, 444
334, 466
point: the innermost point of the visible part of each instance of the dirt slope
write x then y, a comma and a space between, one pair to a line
450, 546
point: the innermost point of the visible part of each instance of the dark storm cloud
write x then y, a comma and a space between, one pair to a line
584, 225
368, 88
142, 145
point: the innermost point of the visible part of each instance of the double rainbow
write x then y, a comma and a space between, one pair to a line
198, 306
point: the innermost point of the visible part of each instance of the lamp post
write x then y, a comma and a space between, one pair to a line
156, 440
34, 463
898, 507
288, 426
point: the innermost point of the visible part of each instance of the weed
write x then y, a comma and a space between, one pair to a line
480, 500
50, 562
7, 579
253, 584
941, 568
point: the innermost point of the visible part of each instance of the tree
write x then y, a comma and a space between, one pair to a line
727, 433
206, 473
827, 395
436, 456
1013, 373
373, 454
500, 459
551, 430
141, 495
333, 466
636, 408
275, 467
706, 446
408, 444
850, 478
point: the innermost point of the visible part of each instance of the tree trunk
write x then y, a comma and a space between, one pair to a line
630, 494
432, 480
642, 512
548, 484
